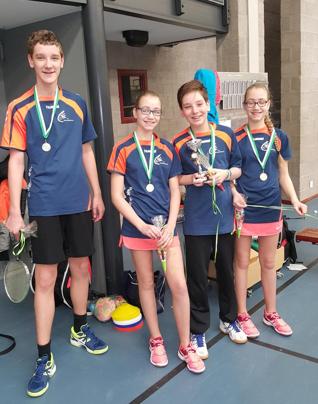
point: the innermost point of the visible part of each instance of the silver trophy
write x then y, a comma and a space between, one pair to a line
200, 159
195, 145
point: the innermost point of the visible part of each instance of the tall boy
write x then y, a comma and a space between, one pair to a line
209, 215
52, 126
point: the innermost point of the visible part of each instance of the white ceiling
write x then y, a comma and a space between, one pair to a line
14, 13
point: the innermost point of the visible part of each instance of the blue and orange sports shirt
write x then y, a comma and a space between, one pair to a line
125, 160
199, 217
260, 192
57, 182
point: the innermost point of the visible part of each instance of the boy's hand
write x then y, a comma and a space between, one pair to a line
14, 224
98, 208
218, 176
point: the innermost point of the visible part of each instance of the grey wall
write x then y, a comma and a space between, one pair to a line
273, 54
3, 99
19, 77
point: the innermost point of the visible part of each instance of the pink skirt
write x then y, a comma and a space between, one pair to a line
262, 229
144, 244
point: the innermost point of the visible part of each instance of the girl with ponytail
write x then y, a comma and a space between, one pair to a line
265, 151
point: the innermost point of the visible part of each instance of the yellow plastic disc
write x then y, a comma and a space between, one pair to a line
125, 312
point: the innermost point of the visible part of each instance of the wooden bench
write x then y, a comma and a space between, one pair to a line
308, 234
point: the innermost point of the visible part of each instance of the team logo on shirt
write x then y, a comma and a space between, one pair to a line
217, 150
62, 117
264, 146
159, 161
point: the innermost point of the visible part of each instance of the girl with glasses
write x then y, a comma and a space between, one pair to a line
144, 184
265, 151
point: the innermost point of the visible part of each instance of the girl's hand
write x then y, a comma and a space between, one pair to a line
166, 238
150, 231
239, 201
300, 208
198, 180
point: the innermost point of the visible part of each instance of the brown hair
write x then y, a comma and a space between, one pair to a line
267, 120
189, 87
44, 37
144, 94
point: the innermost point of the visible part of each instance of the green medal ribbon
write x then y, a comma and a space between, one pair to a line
215, 207
148, 168
263, 162
45, 131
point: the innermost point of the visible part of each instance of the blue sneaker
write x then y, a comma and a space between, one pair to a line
198, 341
39, 382
88, 340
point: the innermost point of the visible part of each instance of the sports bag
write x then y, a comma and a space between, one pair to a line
287, 241
131, 293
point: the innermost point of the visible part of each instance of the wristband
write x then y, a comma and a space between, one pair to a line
229, 175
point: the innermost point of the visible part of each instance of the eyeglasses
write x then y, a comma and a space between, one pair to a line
148, 111
251, 103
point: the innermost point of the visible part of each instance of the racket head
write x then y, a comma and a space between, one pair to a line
16, 280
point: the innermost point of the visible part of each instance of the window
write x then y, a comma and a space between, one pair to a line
130, 84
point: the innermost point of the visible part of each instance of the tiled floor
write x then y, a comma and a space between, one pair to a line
272, 369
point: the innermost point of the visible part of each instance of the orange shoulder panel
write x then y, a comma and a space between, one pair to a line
179, 134
179, 144
225, 137
164, 147
73, 104
14, 130
241, 136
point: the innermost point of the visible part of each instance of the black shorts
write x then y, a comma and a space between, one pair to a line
60, 237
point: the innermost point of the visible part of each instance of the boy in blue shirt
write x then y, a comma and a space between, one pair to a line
209, 215
52, 126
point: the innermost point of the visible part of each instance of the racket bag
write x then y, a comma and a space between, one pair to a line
62, 288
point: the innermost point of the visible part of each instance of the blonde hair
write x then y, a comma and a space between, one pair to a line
267, 120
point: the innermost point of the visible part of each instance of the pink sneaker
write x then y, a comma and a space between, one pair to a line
247, 325
274, 320
189, 355
158, 356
